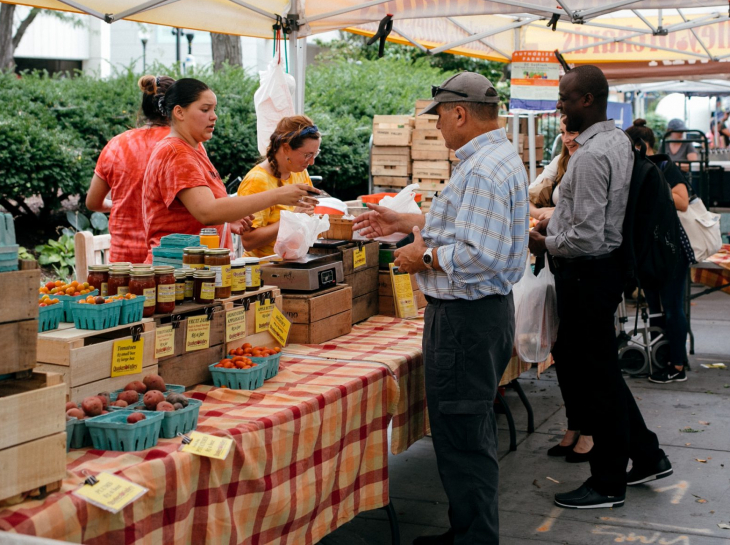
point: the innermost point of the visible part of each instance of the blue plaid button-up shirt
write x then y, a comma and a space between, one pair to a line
479, 223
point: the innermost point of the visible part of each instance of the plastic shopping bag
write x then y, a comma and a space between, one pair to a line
297, 233
404, 202
273, 101
536, 314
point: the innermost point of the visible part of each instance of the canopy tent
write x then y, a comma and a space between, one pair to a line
690, 88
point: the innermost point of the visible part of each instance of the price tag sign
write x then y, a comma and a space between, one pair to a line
358, 258
127, 357
164, 341
110, 493
235, 325
210, 446
198, 337
279, 326
263, 315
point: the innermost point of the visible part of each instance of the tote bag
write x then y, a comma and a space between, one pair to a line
702, 228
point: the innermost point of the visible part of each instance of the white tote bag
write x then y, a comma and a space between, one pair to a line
702, 228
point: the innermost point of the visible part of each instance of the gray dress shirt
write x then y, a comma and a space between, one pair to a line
593, 194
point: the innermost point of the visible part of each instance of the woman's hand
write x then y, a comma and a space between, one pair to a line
244, 225
296, 195
544, 213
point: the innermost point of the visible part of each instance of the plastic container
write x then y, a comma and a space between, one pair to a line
177, 388
67, 300
96, 316
77, 434
132, 310
238, 379
49, 317
111, 431
271, 363
177, 240
327, 210
375, 198
174, 422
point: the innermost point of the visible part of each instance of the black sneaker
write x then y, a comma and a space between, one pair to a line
644, 473
587, 498
670, 374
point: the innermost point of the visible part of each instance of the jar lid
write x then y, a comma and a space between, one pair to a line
195, 250
180, 273
141, 266
189, 272
139, 271
218, 251
120, 264
98, 268
203, 273
164, 269
209, 231
119, 271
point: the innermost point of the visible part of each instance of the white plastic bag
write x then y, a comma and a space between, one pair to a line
404, 202
536, 314
273, 101
297, 233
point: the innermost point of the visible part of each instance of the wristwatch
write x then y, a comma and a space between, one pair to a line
428, 258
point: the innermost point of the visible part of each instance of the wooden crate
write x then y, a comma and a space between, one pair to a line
427, 140
363, 281
20, 295
427, 122
402, 151
390, 170
191, 369
347, 254
385, 286
436, 170
539, 154
39, 463
392, 130
524, 142
307, 308
391, 181
18, 345
441, 154
431, 185
426, 206
386, 304
323, 330
452, 157
364, 307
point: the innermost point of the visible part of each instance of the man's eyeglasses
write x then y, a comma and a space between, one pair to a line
435, 90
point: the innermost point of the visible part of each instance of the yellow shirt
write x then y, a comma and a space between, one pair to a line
257, 181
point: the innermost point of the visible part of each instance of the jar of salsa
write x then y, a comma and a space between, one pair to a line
204, 289
118, 280
180, 286
189, 284
142, 282
253, 273
99, 278
219, 261
165, 281
194, 257
238, 276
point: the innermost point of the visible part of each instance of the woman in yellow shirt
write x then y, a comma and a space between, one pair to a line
293, 147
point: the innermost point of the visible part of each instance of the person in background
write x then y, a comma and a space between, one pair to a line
182, 190
293, 147
670, 297
680, 151
120, 170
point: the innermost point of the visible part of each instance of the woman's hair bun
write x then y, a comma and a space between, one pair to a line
639, 122
148, 85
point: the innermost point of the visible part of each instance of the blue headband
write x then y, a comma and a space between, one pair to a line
309, 130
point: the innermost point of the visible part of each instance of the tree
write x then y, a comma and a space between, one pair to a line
8, 41
226, 49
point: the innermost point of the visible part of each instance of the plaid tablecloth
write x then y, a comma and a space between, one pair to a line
310, 452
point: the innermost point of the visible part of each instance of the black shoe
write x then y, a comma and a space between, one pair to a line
443, 539
559, 450
670, 374
587, 498
574, 457
644, 473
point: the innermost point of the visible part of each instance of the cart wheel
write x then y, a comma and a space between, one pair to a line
632, 360
660, 355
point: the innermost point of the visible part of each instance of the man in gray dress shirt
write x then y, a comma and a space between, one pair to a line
583, 238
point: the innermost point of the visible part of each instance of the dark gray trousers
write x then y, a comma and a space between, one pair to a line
467, 346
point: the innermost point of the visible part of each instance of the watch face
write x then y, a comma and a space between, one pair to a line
427, 258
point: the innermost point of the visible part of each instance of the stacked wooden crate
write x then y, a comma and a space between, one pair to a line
523, 145
431, 165
385, 289
319, 316
391, 153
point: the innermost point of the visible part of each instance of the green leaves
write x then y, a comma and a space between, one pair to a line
59, 254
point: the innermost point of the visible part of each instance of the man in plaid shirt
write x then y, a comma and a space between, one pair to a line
468, 252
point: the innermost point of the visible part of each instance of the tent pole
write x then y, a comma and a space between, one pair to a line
485, 34
294, 67
516, 132
485, 42
302, 42
84, 9
531, 139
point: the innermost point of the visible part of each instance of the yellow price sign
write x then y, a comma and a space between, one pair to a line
210, 446
110, 493
198, 336
235, 325
279, 326
405, 302
263, 315
127, 356
359, 259
164, 341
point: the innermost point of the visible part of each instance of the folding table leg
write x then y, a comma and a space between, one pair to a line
510, 422
393, 520
530, 417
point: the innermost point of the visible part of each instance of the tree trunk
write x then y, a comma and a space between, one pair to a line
226, 48
6, 36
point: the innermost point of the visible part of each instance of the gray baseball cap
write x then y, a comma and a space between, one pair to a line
676, 125
463, 87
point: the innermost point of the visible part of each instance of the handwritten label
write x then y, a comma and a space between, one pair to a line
359, 259
127, 357
164, 341
235, 325
198, 337
208, 445
166, 293
263, 315
150, 295
279, 326
111, 493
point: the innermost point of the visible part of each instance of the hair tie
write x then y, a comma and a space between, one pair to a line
157, 81
161, 105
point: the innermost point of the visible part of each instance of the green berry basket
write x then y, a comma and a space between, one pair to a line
49, 317
238, 379
132, 310
177, 388
67, 300
96, 317
174, 422
112, 432
77, 434
271, 363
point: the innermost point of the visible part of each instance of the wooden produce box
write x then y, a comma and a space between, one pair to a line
392, 130
431, 185
539, 154
402, 151
363, 280
523, 142
386, 303
319, 316
391, 181
84, 357
191, 368
435, 170
427, 140
390, 165
20, 296
32, 433
431, 154
18, 345
427, 122
364, 307
421, 105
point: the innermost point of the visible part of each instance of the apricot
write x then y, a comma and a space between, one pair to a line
164, 406
76, 413
92, 406
152, 398
154, 382
137, 386
135, 417
120, 403
130, 396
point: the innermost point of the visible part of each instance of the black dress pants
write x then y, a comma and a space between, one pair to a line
586, 350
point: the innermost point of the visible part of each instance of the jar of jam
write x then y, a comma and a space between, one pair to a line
118, 280
194, 257
209, 237
142, 282
204, 289
253, 273
165, 280
219, 260
238, 276
180, 286
189, 284
99, 278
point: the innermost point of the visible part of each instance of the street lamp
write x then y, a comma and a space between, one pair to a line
189, 59
177, 32
144, 36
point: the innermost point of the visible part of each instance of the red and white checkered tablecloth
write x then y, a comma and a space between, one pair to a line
310, 453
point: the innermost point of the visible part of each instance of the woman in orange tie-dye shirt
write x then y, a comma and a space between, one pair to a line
120, 170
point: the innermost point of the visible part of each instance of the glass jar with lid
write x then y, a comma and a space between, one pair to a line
118, 280
253, 273
204, 288
194, 257
238, 276
209, 237
189, 284
180, 286
142, 282
99, 278
219, 260
165, 281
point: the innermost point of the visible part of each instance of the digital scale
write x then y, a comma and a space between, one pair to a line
313, 272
